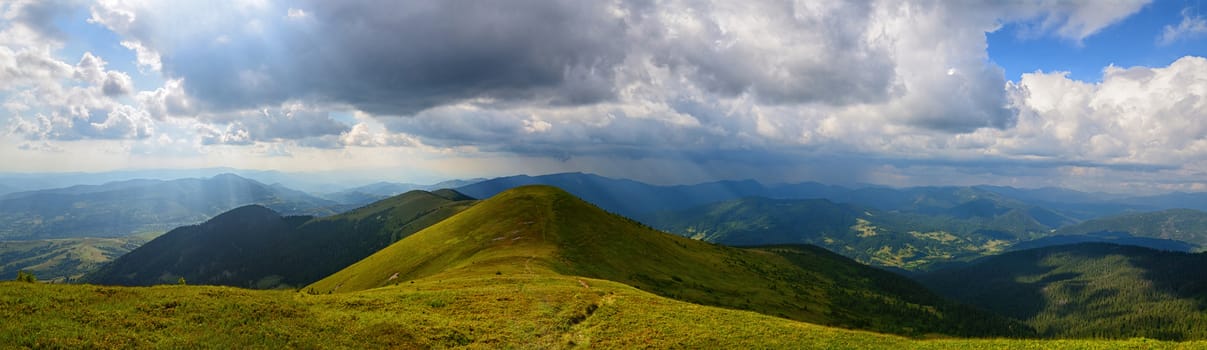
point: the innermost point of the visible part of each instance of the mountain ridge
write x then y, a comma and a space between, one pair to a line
253, 246
1185, 225
135, 206
542, 230
904, 240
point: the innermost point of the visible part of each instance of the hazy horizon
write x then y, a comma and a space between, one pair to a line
333, 181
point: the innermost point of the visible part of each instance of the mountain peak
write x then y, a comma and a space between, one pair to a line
247, 211
227, 177
542, 230
253, 246
451, 194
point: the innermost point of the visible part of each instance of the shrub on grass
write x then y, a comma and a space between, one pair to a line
27, 277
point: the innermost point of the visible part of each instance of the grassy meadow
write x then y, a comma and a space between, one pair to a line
487, 312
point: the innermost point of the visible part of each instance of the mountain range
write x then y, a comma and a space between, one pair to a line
1184, 225
158, 205
134, 206
541, 248
1056, 206
254, 246
530, 232
376, 191
890, 239
913, 229
917, 228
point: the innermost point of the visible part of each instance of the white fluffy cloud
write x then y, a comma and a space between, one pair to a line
1191, 26
1137, 115
46, 98
29, 67
147, 59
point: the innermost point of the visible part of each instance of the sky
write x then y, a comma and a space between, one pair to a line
1096, 95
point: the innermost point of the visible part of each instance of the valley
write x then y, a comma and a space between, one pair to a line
65, 259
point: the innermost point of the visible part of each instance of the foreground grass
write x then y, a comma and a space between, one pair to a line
500, 311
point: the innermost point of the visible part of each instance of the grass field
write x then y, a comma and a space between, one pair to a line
500, 311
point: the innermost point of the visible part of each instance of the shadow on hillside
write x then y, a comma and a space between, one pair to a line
1088, 290
1182, 274
1001, 288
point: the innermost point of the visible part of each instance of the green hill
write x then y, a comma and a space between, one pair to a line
1091, 290
255, 247
1186, 225
911, 241
544, 232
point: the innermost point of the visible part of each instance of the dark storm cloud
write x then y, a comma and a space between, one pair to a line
398, 58
696, 79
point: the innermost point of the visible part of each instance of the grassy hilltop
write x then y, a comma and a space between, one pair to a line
546, 231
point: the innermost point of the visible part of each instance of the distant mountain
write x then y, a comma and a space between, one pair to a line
1091, 290
1185, 225
534, 233
638, 200
380, 190
369, 193
1076, 204
966, 203
626, 197
762, 221
908, 241
1052, 194
126, 207
42, 181
254, 246
1094, 205
1120, 238
1176, 200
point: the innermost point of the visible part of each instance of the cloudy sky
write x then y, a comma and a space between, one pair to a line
1094, 95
